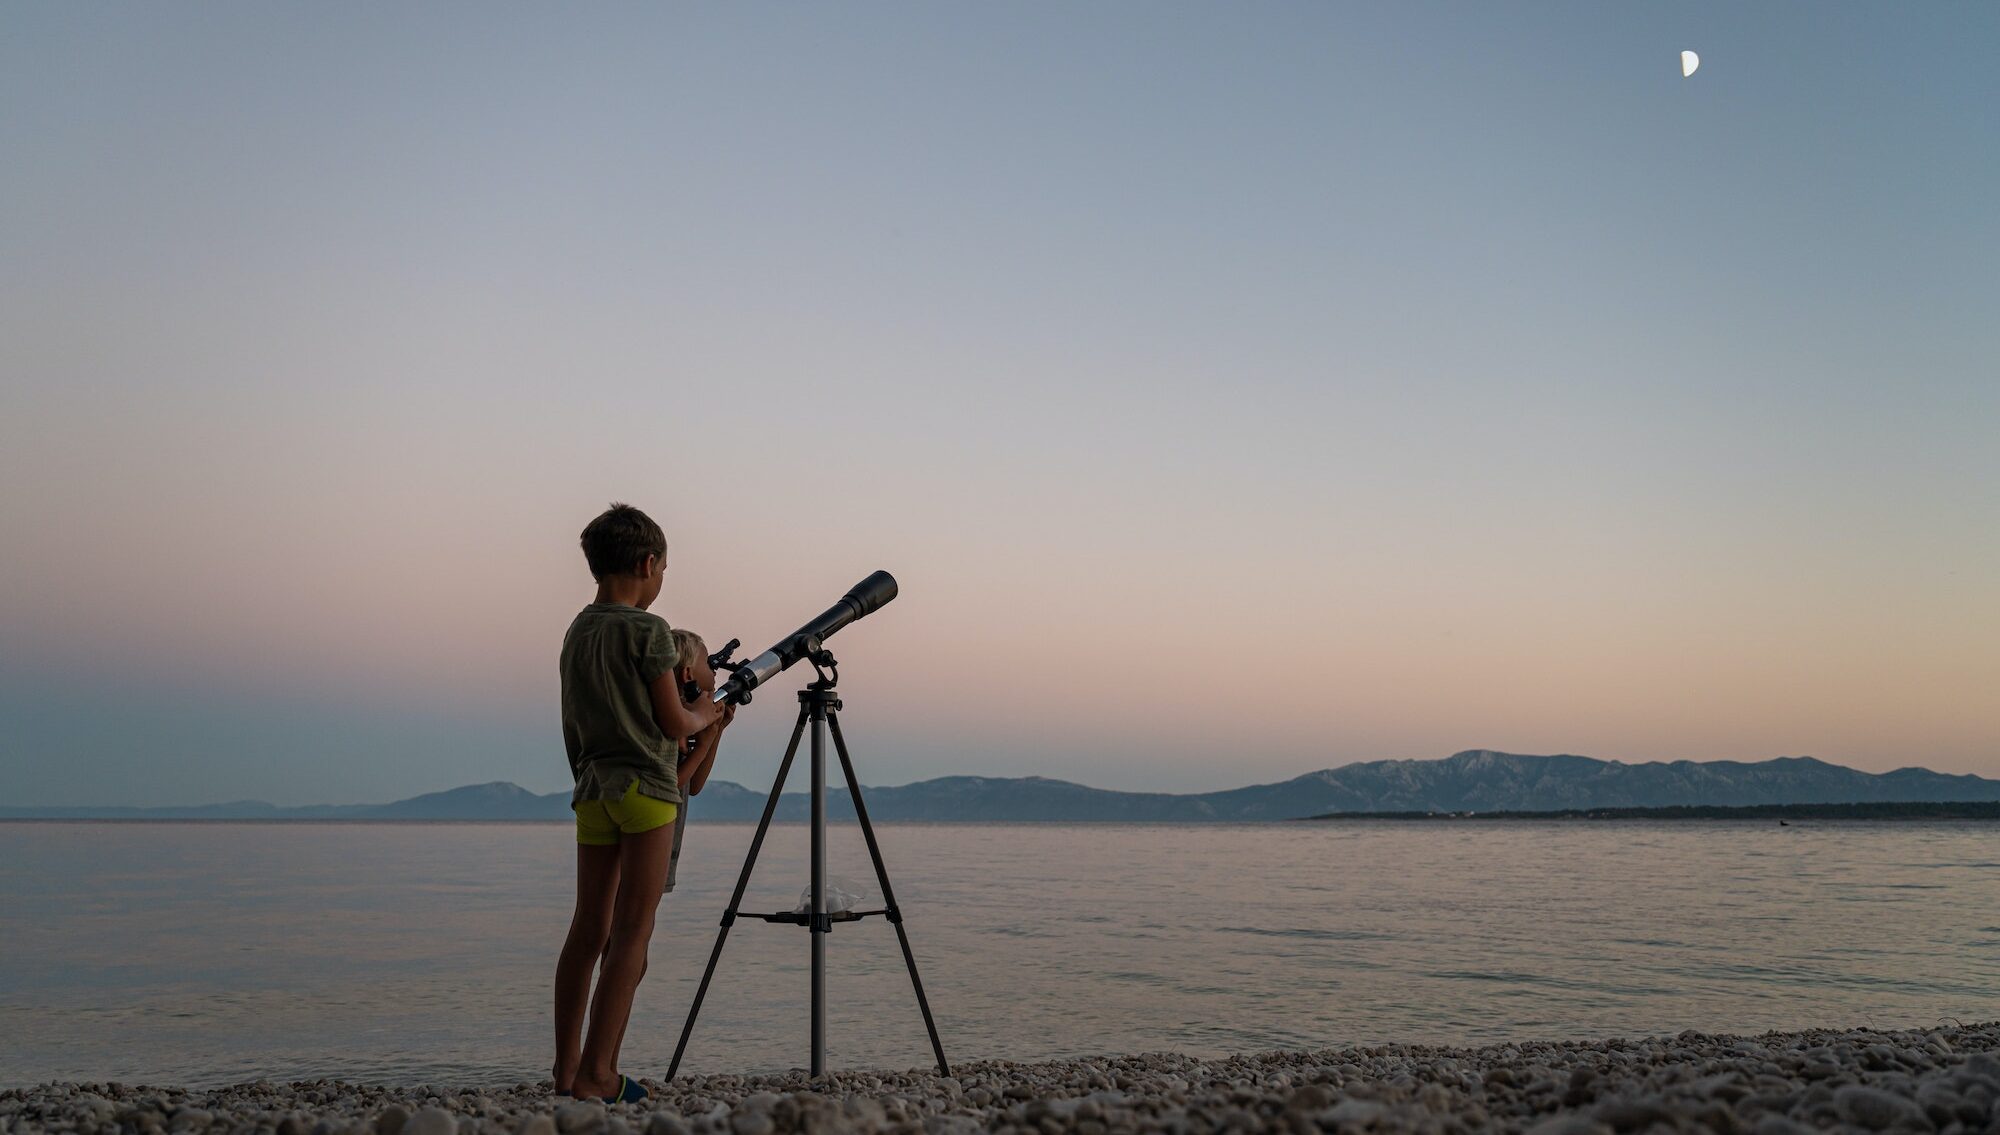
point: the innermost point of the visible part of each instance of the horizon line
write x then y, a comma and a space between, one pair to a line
251, 802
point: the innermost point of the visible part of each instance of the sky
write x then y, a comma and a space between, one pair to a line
1235, 390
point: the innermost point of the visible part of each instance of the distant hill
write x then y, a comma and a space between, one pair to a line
1477, 780
1482, 780
499, 800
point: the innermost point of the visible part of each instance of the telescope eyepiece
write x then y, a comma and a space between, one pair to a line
720, 659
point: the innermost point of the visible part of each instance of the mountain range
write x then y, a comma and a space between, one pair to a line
1477, 780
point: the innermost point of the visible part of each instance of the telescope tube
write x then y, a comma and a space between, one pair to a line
863, 598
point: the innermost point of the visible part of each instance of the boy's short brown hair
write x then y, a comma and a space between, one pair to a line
620, 539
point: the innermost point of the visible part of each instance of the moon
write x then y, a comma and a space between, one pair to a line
1689, 61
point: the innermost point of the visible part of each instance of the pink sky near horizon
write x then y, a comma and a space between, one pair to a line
1216, 429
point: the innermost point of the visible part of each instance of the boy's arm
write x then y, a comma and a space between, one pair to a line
694, 773
694, 770
678, 719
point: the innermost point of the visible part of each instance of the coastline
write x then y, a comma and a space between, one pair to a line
1944, 1079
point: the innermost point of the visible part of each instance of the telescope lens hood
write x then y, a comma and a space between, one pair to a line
871, 594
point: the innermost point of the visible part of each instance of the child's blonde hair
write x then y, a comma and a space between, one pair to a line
689, 646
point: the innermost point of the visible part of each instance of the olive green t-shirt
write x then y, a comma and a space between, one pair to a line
610, 659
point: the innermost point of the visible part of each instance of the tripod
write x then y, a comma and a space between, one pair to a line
817, 705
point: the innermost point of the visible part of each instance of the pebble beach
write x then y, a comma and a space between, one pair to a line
1945, 1079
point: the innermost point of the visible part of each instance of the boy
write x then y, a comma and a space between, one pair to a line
624, 724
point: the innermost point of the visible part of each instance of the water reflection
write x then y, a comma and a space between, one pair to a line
214, 953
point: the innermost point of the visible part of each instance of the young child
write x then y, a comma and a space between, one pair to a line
699, 754
625, 722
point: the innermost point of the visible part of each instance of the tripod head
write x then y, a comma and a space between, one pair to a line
826, 671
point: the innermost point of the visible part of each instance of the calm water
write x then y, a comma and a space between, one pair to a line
211, 953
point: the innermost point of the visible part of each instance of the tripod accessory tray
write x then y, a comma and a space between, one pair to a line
804, 918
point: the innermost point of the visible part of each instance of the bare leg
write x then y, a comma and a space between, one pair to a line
589, 936
642, 872
619, 1044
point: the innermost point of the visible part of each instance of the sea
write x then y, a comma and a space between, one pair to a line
204, 954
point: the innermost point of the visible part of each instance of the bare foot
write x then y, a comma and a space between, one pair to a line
585, 1088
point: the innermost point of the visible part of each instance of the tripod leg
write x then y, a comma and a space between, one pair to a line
888, 892
742, 882
819, 926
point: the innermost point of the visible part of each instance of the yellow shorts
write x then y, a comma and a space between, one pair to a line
599, 822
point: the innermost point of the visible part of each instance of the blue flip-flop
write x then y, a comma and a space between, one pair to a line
629, 1091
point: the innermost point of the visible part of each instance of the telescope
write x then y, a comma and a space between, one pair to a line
819, 703
863, 598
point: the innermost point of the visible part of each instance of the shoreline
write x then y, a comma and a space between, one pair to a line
1761, 815
1944, 1079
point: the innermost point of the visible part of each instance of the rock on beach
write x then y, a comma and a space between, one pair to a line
1944, 1080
